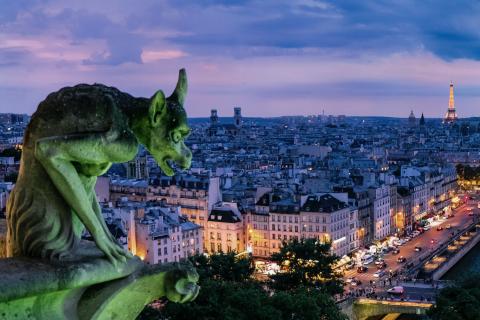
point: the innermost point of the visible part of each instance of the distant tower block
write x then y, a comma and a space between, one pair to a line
237, 116
213, 117
451, 115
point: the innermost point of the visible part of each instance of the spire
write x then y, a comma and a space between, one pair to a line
422, 120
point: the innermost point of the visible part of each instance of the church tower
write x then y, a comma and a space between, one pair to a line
451, 115
213, 117
237, 116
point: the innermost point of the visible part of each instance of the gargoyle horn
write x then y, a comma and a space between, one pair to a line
181, 89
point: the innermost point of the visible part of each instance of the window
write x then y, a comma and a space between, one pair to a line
212, 247
165, 250
219, 247
273, 227
273, 235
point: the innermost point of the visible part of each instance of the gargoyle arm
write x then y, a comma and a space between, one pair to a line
56, 154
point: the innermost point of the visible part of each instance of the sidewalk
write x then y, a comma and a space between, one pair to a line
421, 284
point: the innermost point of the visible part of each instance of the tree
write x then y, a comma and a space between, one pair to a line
458, 302
225, 300
246, 301
305, 304
229, 292
223, 266
308, 263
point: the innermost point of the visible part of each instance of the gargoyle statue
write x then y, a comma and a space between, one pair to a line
73, 137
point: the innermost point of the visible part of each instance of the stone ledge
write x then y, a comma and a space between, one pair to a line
23, 277
89, 287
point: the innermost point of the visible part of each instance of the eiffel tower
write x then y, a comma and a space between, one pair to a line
451, 115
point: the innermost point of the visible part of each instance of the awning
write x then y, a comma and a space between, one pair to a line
343, 261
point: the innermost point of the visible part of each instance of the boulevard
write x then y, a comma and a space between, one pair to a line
428, 241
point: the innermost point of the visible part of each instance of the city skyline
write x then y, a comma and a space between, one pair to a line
271, 58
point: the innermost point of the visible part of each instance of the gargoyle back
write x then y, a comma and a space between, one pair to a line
81, 109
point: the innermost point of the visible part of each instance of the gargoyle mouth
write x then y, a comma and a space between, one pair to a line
167, 166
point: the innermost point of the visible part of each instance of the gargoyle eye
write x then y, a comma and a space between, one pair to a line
176, 136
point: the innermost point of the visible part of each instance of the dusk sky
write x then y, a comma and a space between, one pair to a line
269, 57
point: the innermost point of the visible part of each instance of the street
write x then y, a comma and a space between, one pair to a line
428, 241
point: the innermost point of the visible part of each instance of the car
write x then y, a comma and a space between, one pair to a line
397, 243
379, 261
401, 259
470, 213
381, 266
396, 290
362, 269
426, 228
366, 262
379, 274
349, 279
350, 265
356, 282
395, 251
439, 228
448, 226
418, 248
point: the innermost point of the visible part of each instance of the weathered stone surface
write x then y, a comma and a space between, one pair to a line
23, 277
73, 137
88, 287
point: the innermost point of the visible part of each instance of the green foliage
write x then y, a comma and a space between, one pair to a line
229, 292
467, 172
308, 263
458, 302
225, 300
220, 300
223, 266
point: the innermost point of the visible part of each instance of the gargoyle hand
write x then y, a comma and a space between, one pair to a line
181, 283
112, 250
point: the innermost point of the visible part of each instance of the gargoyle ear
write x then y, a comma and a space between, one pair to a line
180, 91
157, 105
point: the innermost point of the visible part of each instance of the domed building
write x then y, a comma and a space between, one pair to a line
412, 121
